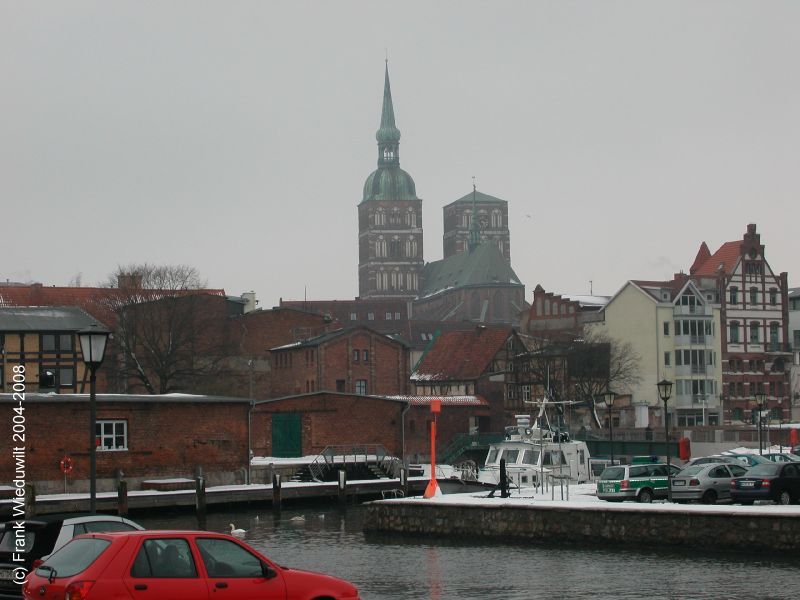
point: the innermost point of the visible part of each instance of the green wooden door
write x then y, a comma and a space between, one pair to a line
286, 440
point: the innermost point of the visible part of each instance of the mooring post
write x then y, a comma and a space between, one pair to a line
404, 481
122, 498
276, 492
342, 488
30, 500
200, 500
503, 479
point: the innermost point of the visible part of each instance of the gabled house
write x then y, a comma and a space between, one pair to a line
474, 363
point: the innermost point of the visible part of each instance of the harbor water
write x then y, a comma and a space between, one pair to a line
398, 567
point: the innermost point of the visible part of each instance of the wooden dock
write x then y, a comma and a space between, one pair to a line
258, 494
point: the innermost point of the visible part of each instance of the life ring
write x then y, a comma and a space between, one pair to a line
66, 465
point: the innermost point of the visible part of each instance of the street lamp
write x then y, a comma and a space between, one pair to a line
608, 399
780, 425
93, 347
761, 399
665, 391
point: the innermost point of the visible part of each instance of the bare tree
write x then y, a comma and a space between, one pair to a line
170, 334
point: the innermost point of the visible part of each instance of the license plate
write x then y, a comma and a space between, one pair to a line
747, 483
609, 487
677, 483
6, 574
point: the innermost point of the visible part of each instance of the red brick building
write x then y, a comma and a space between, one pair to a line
358, 360
555, 317
474, 363
305, 425
147, 436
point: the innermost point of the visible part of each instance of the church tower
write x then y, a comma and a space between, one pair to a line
389, 220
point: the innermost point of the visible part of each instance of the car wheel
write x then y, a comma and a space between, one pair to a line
645, 495
784, 498
709, 497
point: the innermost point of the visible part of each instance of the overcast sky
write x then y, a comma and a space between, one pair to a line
236, 136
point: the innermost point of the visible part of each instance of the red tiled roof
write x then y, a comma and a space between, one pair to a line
461, 355
727, 255
703, 254
98, 302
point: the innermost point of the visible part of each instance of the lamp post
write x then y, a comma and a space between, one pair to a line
761, 399
608, 398
93, 347
664, 392
780, 425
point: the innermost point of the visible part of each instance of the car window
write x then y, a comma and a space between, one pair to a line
612, 473
8, 541
224, 558
693, 470
638, 472
737, 470
101, 526
718, 473
73, 558
164, 557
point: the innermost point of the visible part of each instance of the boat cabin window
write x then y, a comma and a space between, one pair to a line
492, 458
510, 456
554, 457
530, 457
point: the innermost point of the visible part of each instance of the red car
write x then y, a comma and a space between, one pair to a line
173, 565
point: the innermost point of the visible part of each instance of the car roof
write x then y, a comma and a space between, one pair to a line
161, 533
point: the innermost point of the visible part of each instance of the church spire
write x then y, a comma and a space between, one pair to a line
388, 135
474, 230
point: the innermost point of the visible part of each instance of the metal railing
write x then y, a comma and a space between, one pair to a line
365, 454
465, 441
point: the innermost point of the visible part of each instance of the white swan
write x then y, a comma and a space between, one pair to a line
298, 519
237, 532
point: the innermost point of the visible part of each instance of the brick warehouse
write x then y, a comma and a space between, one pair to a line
143, 436
356, 360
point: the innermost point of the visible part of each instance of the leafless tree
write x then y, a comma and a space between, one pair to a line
170, 334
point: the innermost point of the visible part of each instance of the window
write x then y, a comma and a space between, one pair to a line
48, 342
340, 385
526, 392
734, 295
164, 557
754, 332
353, 317
371, 316
111, 435
66, 377
753, 295
361, 387
773, 296
397, 316
388, 316
365, 355
666, 359
666, 327
356, 354
224, 558
734, 337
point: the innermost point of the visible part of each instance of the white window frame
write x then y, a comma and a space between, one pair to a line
102, 436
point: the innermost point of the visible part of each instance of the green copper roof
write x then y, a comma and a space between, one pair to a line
389, 181
484, 265
388, 132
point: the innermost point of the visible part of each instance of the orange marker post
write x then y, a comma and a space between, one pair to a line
433, 487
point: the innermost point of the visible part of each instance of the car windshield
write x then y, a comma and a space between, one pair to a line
73, 558
765, 469
613, 473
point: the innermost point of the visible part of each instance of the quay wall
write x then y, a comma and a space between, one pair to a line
713, 531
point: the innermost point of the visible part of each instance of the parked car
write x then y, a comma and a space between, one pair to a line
779, 482
748, 459
642, 483
43, 536
714, 458
707, 483
185, 565
781, 457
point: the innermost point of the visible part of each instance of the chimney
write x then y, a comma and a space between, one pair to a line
129, 281
250, 301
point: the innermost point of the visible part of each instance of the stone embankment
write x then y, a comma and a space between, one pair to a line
764, 528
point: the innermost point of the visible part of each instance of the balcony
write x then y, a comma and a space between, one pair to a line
692, 310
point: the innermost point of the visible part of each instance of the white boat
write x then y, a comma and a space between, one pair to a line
532, 455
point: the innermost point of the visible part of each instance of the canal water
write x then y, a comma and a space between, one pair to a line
389, 567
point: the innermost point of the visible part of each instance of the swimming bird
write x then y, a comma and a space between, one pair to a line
237, 532
298, 519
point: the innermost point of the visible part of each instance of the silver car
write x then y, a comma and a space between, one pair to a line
707, 483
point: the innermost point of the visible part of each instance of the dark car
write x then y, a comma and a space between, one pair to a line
173, 565
40, 537
779, 482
